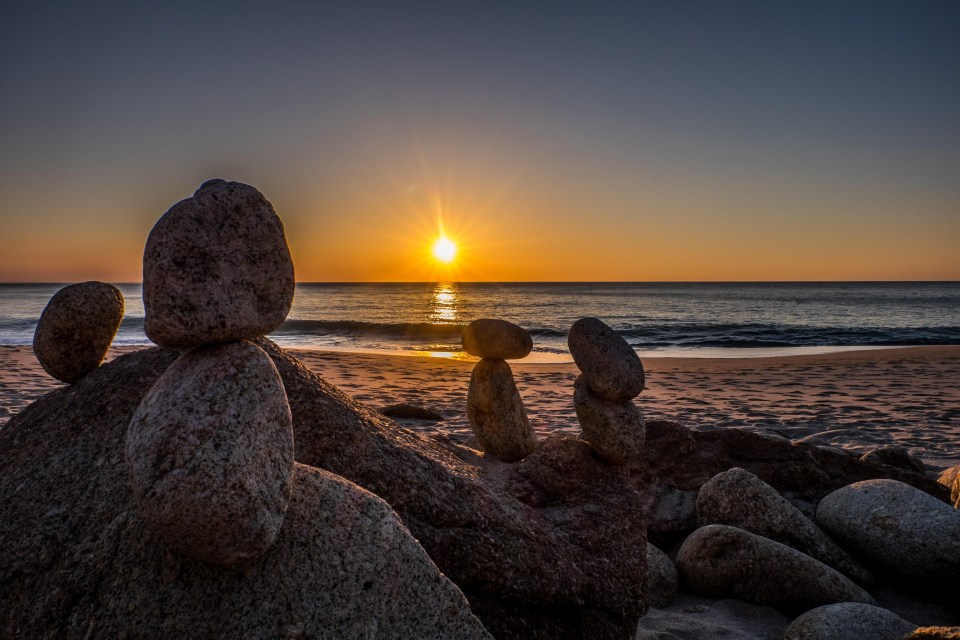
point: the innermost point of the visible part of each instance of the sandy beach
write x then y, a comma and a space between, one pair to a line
855, 399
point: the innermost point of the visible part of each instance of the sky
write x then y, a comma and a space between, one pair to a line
552, 141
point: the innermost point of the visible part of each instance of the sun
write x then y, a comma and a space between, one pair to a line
444, 250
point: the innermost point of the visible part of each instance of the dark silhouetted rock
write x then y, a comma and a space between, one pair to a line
496, 413
410, 412
209, 453
683, 459
846, 620
894, 456
76, 329
661, 578
726, 562
614, 429
610, 366
216, 268
950, 478
896, 527
489, 338
740, 499
674, 514
551, 565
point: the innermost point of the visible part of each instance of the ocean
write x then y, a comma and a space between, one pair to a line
668, 319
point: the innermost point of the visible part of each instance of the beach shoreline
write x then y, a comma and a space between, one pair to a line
852, 399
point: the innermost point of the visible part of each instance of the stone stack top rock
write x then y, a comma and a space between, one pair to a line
491, 338
611, 368
216, 268
76, 329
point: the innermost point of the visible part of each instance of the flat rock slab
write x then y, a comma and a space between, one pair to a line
610, 366
216, 268
846, 620
76, 329
491, 338
725, 562
740, 499
896, 526
209, 453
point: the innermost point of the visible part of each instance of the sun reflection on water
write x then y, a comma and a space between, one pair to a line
445, 302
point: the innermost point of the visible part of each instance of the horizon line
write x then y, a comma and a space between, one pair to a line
580, 282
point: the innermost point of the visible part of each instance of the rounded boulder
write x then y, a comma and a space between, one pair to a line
216, 268
726, 562
209, 454
496, 414
610, 366
846, 620
615, 430
76, 329
896, 526
491, 338
661, 578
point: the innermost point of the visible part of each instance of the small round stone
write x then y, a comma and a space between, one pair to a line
490, 338
610, 366
495, 411
210, 451
216, 268
615, 430
845, 620
76, 329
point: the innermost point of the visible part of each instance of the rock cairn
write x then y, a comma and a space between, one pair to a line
76, 329
494, 407
209, 451
611, 376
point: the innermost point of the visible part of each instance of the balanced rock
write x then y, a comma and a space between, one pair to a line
490, 338
738, 498
894, 456
496, 413
209, 453
933, 633
661, 578
76, 329
725, 562
951, 479
615, 430
896, 526
846, 620
216, 268
611, 367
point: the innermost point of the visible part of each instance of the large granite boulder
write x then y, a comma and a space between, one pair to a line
662, 579
78, 561
76, 329
216, 268
537, 555
740, 499
496, 414
846, 620
725, 562
491, 338
950, 478
209, 454
895, 526
610, 366
615, 430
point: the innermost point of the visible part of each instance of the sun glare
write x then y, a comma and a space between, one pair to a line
444, 250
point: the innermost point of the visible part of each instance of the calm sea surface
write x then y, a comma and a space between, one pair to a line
714, 319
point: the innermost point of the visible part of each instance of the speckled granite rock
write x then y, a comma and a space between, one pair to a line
610, 366
209, 453
567, 564
740, 499
216, 268
894, 456
76, 329
896, 526
496, 414
846, 620
933, 633
726, 562
950, 478
614, 429
490, 338
661, 578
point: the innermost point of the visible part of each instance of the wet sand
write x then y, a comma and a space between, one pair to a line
855, 399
